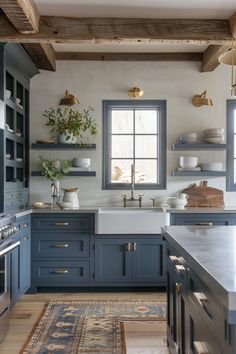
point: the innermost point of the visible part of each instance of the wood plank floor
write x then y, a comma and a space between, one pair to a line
26, 312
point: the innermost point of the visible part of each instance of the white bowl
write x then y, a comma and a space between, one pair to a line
188, 161
8, 93
212, 166
214, 131
18, 101
189, 138
218, 140
64, 205
81, 162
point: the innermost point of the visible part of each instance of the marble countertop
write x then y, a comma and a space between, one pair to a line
94, 209
211, 253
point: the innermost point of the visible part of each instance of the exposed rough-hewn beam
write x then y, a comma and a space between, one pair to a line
232, 22
129, 56
42, 54
122, 30
210, 57
22, 14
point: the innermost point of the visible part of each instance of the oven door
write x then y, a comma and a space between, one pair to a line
5, 287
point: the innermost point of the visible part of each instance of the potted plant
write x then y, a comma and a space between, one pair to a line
69, 124
54, 170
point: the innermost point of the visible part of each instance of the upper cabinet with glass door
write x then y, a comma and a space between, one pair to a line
134, 132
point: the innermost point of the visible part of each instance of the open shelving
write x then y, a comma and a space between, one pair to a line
70, 174
202, 146
199, 174
63, 146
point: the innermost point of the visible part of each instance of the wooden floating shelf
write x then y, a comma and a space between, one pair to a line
199, 174
63, 146
70, 174
199, 147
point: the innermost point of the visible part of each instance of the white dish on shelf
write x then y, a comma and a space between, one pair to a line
188, 161
18, 101
214, 131
218, 140
190, 138
212, 166
81, 162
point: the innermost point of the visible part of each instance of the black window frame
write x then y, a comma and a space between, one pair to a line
162, 149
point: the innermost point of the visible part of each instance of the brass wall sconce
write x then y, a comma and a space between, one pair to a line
201, 100
229, 58
68, 99
135, 92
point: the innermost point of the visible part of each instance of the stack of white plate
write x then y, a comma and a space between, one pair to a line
212, 166
214, 135
188, 163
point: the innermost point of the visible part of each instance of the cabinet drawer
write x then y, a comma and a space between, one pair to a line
61, 223
210, 311
202, 339
60, 273
207, 219
60, 245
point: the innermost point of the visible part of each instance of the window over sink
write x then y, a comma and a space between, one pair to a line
231, 140
134, 132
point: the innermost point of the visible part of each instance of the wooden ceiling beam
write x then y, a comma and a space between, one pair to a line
42, 54
122, 30
129, 56
232, 22
210, 57
22, 14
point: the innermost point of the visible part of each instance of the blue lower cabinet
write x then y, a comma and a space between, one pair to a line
130, 260
113, 260
61, 273
21, 260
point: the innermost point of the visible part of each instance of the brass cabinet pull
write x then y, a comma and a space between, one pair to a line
61, 271
61, 245
180, 268
129, 247
173, 258
200, 348
205, 223
134, 246
61, 223
177, 288
26, 238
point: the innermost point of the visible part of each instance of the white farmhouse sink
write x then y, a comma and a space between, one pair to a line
130, 220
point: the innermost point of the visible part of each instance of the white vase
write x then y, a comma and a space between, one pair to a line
66, 138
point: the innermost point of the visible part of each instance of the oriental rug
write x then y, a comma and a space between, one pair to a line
95, 327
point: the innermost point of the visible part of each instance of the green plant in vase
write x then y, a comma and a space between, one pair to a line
54, 170
69, 124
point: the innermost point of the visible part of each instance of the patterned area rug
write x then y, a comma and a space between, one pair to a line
77, 327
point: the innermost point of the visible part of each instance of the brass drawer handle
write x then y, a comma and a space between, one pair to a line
178, 288
173, 258
200, 348
61, 245
202, 300
204, 223
61, 223
129, 247
180, 268
61, 271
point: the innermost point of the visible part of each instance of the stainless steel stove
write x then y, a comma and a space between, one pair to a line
7, 245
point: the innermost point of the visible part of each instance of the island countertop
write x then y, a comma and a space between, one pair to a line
211, 254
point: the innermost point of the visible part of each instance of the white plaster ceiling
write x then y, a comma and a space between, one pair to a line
216, 9
138, 8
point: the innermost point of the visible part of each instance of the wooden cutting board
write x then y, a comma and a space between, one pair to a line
204, 196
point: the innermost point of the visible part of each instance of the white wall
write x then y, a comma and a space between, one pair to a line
95, 81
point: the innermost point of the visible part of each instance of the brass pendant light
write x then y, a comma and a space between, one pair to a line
68, 100
135, 92
229, 58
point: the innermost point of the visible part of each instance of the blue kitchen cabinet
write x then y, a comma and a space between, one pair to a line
61, 254
203, 219
129, 260
21, 260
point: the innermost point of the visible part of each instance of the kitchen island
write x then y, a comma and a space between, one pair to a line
201, 289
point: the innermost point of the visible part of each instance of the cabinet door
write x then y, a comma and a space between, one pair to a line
25, 263
15, 276
112, 260
148, 264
